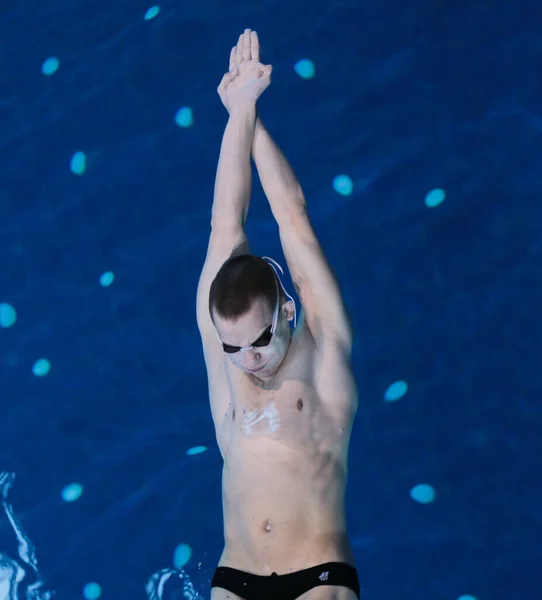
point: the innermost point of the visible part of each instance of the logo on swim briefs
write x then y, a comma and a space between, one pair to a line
324, 576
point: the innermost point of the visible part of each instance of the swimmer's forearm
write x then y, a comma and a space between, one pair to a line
234, 174
278, 180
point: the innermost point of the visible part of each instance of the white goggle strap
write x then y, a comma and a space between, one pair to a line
276, 267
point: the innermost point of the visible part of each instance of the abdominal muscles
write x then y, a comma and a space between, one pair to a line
277, 501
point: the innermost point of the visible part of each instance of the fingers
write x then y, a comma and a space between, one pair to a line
246, 44
228, 78
254, 46
223, 82
239, 50
265, 71
247, 48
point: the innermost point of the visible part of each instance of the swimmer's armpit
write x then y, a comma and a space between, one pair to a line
316, 284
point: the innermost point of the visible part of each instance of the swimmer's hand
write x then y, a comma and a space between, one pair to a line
247, 78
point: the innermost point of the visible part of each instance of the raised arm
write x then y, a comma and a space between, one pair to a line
239, 89
311, 273
315, 282
230, 207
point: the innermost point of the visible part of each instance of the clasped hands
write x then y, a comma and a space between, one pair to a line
247, 78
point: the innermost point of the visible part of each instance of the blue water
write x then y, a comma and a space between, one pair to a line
102, 381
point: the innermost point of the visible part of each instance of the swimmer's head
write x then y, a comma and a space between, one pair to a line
251, 314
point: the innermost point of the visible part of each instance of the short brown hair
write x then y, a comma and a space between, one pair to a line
239, 283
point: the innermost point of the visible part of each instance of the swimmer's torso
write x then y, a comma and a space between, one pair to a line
285, 464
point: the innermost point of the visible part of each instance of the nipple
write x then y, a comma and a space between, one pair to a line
268, 526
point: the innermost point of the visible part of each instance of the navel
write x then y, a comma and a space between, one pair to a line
233, 415
268, 526
299, 404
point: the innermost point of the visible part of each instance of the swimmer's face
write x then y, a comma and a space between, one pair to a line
252, 329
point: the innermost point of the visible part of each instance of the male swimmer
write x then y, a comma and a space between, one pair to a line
282, 403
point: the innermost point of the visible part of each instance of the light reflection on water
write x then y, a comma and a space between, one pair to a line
20, 578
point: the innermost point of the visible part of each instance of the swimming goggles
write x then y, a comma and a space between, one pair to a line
267, 335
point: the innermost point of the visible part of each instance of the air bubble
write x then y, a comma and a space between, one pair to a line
151, 13
434, 198
92, 591
8, 315
196, 450
182, 555
184, 117
423, 493
72, 492
343, 185
106, 279
78, 163
305, 68
50, 66
396, 391
41, 367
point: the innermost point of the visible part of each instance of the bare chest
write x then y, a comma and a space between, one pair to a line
296, 413
280, 424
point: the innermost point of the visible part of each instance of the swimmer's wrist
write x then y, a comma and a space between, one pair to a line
247, 109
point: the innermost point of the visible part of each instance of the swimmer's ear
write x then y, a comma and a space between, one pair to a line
288, 309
